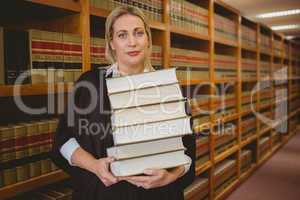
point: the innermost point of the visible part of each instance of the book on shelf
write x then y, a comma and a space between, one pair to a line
198, 190
248, 37
225, 29
246, 159
224, 171
147, 133
189, 16
16, 54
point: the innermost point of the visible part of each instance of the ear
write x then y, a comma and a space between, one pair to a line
112, 45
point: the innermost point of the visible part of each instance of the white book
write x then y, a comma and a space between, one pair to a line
137, 166
145, 148
149, 113
146, 96
142, 80
152, 131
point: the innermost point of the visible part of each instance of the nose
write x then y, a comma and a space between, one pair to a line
131, 40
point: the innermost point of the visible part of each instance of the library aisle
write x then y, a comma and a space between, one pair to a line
277, 179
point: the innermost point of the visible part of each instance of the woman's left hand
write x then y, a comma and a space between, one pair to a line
154, 178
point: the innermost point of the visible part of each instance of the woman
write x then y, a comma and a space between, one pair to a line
83, 133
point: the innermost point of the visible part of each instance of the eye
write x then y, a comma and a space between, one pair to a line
139, 33
122, 35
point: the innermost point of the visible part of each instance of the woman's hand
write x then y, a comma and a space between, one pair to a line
100, 167
155, 177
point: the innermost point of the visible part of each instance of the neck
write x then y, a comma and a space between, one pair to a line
127, 70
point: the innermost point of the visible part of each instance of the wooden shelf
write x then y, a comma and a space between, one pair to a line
249, 79
226, 80
99, 12
246, 112
248, 140
226, 153
31, 184
37, 89
226, 42
200, 169
63, 4
249, 49
192, 82
183, 32
82, 14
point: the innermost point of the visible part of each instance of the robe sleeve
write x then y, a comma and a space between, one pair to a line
64, 131
189, 142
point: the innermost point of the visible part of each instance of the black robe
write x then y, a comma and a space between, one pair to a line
86, 185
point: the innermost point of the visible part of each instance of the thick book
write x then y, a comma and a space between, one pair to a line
152, 131
145, 148
148, 113
137, 166
140, 81
146, 96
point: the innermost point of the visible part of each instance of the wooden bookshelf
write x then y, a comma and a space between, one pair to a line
31, 184
77, 17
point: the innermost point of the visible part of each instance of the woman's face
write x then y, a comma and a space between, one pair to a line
130, 41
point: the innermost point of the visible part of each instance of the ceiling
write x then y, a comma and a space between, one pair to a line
251, 8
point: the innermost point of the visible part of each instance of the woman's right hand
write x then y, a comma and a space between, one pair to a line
100, 167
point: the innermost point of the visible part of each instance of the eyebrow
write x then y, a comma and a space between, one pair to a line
139, 27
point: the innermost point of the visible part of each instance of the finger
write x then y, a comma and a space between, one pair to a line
109, 160
138, 184
139, 178
107, 175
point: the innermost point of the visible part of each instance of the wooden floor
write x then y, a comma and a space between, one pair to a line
277, 179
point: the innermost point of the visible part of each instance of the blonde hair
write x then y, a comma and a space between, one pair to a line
110, 20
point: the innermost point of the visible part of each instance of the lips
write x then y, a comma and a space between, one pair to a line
134, 53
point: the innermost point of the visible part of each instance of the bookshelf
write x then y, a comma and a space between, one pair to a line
248, 46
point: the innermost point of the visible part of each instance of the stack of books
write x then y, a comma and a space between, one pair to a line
24, 150
190, 64
225, 67
249, 96
248, 68
265, 43
148, 121
246, 160
55, 57
267, 113
202, 149
264, 146
248, 37
97, 50
225, 136
286, 51
248, 126
151, 8
277, 48
265, 69
198, 190
225, 28
225, 105
276, 137
156, 57
266, 97
188, 16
